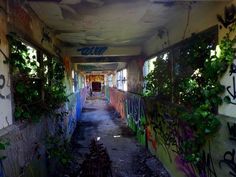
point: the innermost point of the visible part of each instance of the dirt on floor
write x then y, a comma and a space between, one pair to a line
101, 123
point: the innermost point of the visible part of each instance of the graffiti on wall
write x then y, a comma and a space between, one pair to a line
80, 100
205, 168
135, 116
232, 131
162, 128
229, 158
92, 50
3, 83
117, 99
135, 109
231, 89
229, 161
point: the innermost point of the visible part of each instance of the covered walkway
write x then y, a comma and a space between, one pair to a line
121, 88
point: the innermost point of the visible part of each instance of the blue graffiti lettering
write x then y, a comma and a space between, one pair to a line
92, 50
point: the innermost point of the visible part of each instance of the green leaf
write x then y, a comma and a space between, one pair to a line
18, 112
20, 88
26, 115
2, 146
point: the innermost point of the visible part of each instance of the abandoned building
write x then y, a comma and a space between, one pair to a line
122, 88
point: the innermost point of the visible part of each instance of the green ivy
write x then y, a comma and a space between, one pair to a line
58, 149
36, 92
196, 95
158, 81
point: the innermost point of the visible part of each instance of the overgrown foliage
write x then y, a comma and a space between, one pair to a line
58, 149
191, 118
39, 90
37, 83
159, 80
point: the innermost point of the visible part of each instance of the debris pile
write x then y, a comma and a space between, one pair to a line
97, 162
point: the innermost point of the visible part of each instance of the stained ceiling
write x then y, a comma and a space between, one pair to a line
117, 23
106, 22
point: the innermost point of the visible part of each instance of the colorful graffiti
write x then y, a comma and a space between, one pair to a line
80, 100
117, 100
135, 116
157, 126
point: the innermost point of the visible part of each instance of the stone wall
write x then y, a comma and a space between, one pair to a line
26, 153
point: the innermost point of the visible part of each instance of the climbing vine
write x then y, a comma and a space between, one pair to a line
37, 85
191, 118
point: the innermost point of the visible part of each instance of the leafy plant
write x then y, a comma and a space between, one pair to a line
196, 94
159, 80
36, 91
58, 149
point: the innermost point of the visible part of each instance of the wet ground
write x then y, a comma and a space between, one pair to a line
99, 121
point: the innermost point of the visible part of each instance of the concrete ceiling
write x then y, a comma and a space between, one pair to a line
106, 22
111, 23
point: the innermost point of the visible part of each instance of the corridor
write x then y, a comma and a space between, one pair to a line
99, 121
117, 88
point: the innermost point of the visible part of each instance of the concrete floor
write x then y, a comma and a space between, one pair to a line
129, 159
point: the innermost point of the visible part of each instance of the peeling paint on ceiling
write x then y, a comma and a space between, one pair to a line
119, 23
110, 22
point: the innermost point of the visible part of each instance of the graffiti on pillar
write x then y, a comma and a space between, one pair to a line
231, 89
232, 131
92, 50
229, 161
135, 110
